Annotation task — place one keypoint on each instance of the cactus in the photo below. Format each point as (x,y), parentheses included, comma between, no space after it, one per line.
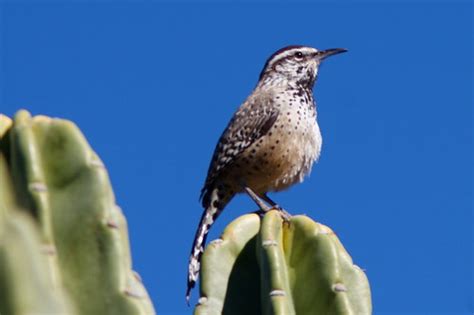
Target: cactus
(25,286)
(268,266)
(63,240)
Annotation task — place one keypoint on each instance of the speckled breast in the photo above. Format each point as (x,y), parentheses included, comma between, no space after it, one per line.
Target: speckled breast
(285,154)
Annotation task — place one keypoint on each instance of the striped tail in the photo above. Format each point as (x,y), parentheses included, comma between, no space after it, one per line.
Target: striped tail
(214,204)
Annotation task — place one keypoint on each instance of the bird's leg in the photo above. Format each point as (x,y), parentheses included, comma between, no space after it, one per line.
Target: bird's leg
(271,202)
(285,214)
(263,207)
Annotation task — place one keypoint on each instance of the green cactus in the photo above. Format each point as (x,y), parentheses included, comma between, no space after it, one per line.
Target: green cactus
(25,285)
(268,266)
(59,221)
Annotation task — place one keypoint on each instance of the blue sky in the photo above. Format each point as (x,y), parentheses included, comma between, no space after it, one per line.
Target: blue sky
(152,86)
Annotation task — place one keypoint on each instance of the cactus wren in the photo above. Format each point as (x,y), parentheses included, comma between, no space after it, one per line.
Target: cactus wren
(270,143)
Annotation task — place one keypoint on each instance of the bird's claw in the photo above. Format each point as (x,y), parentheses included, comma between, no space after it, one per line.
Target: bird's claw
(261,213)
(285,215)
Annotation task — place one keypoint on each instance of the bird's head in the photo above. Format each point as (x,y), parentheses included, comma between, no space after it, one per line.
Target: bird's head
(296,64)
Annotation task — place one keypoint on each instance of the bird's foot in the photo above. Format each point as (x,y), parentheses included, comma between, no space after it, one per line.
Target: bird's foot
(261,213)
(285,215)
(264,208)
(260,203)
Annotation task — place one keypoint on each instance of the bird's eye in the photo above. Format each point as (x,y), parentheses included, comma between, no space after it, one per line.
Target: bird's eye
(299,55)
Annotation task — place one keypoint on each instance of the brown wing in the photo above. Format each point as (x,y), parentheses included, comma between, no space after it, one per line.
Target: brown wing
(252,121)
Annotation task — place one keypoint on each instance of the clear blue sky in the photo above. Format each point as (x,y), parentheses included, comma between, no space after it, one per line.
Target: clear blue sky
(152,86)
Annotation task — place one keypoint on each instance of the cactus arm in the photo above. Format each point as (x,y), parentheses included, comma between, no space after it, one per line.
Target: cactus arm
(25,283)
(229,268)
(59,181)
(299,267)
(324,279)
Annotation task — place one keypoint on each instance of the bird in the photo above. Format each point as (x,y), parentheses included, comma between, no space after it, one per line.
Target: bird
(270,143)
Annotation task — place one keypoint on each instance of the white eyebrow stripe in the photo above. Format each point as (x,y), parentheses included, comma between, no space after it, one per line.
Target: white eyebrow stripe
(289,52)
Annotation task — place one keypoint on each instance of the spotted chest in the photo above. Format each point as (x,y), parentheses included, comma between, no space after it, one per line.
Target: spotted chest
(285,154)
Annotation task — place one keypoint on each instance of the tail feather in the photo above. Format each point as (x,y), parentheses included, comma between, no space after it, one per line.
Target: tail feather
(217,201)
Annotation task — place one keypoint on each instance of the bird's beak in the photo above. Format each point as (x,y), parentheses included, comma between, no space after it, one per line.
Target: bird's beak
(323,54)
